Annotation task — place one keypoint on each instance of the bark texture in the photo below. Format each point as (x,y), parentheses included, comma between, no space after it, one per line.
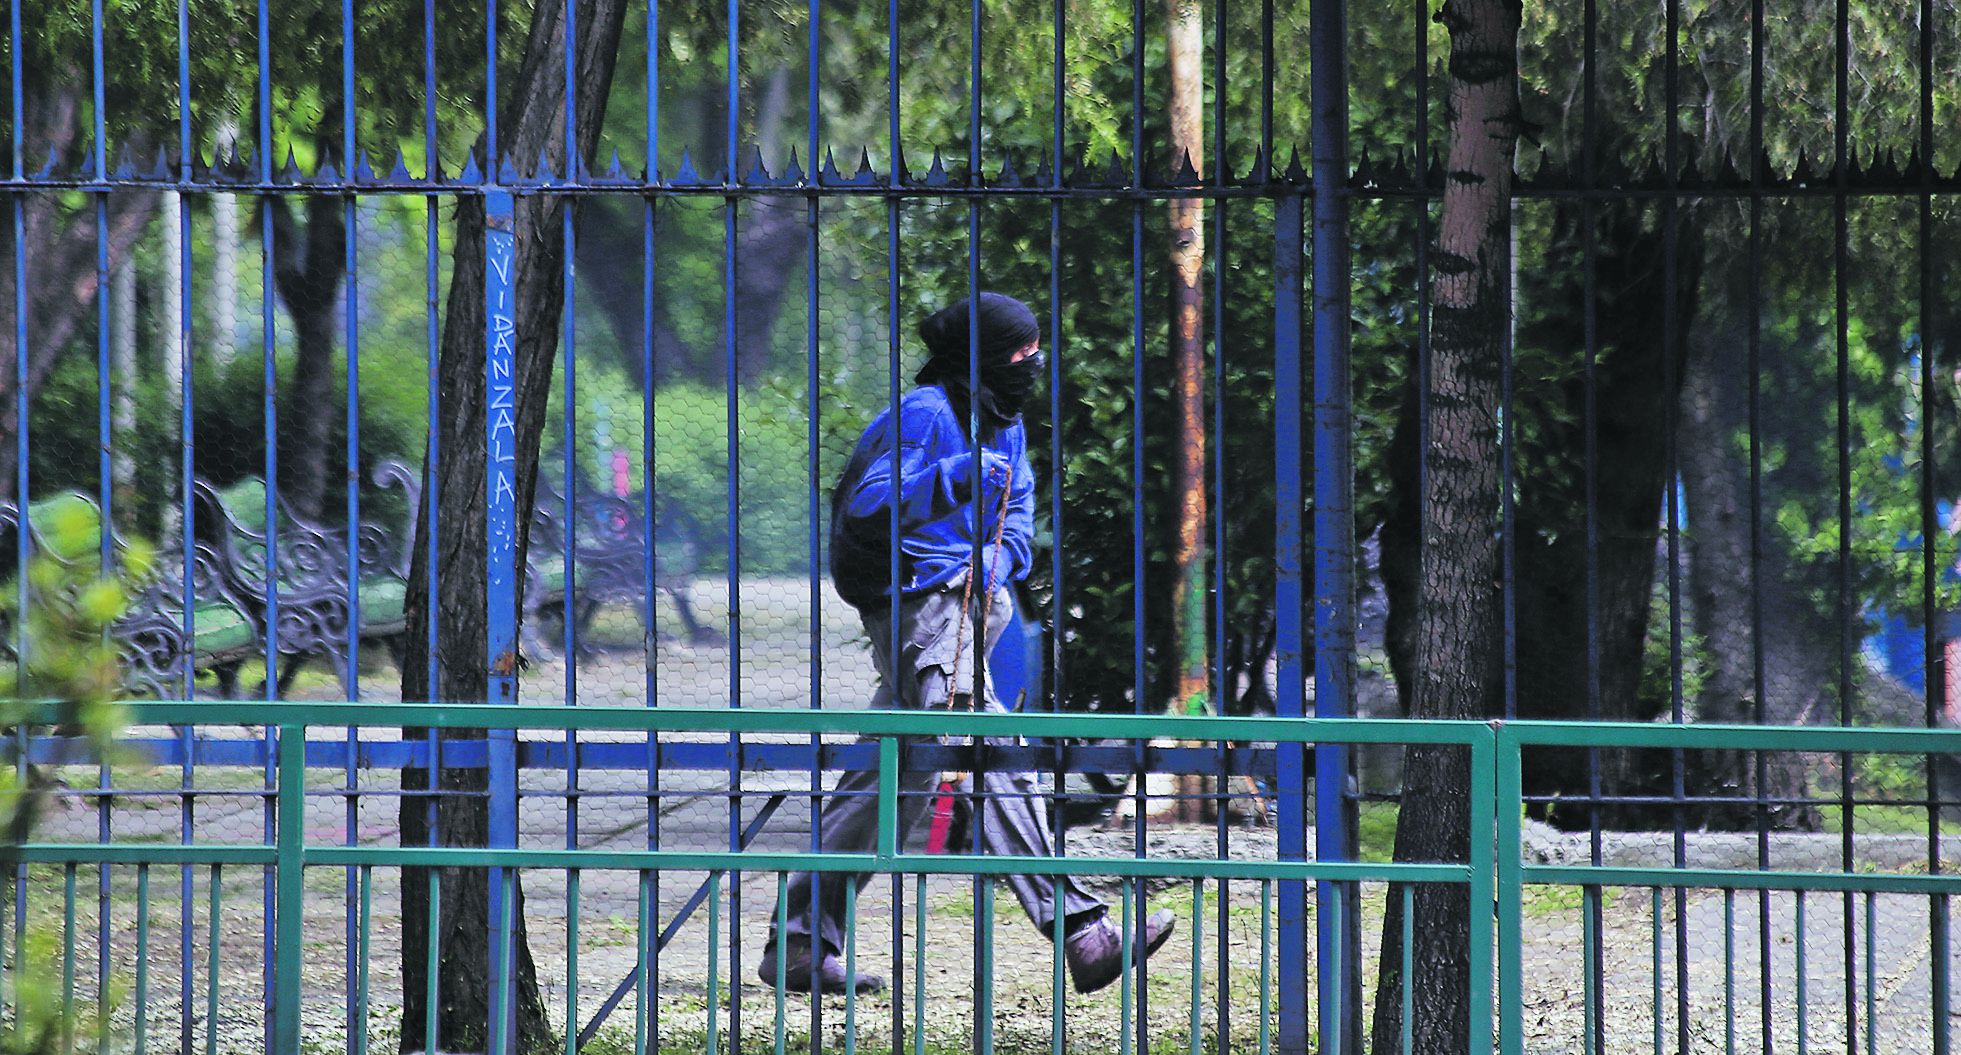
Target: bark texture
(1454,671)
(1739,602)
(534,114)
(59,243)
(307,270)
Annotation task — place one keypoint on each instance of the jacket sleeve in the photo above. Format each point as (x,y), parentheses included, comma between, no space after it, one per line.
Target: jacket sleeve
(1018,540)
(927,485)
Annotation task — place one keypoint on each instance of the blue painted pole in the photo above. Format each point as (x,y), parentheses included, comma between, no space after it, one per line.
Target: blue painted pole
(1289,501)
(1337,932)
(501,528)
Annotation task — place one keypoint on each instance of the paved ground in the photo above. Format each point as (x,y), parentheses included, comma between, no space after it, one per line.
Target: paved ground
(772,668)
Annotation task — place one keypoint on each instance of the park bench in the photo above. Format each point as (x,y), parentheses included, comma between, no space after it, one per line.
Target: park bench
(610,554)
(310,582)
(153,637)
(235,586)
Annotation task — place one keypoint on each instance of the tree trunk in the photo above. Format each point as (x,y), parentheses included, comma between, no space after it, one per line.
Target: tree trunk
(1456,665)
(59,246)
(535,114)
(1185,47)
(308,278)
(1630,481)
(1730,594)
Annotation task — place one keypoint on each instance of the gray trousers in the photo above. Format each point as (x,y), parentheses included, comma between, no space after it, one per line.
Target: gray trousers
(1009,811)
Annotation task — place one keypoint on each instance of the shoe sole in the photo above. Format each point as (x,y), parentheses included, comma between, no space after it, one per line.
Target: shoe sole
(1095,984)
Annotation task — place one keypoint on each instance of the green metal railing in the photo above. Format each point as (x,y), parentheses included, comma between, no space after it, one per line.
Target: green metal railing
(1494,874)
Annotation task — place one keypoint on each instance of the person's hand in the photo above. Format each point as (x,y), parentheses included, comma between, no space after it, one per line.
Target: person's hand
(996,472)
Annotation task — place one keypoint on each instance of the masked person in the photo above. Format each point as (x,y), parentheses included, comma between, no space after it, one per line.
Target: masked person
(939,648)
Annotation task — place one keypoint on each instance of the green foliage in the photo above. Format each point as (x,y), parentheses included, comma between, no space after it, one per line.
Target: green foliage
(69,677)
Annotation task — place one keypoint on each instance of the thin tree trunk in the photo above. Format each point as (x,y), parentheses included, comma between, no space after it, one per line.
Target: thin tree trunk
(308,278)
(1185,47)
(535,113)
(1456,664)
(59,245)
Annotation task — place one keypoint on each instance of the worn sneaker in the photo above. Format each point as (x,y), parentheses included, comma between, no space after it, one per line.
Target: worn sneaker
(829,976)
(1095,950)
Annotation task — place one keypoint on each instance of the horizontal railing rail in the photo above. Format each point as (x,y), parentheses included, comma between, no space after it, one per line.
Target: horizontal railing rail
(1496,871)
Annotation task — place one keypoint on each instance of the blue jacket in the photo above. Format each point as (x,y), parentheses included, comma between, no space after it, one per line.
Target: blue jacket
(936,509)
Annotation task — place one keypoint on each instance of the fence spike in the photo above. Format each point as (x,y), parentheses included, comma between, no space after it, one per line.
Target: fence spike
(507,172)
(125,164)
(1295,172)
(936,175)
(471,174)
(364,169)
(1186,174)
(614,173)
(161,170)
(828,172)
(1008,177)
(793,175)
(866,176)
(87,169)
(290,172)
(1728,175)
(327,173)
(1044,170)
(1399,171)
(1914,171)
(758,171)
(687,175)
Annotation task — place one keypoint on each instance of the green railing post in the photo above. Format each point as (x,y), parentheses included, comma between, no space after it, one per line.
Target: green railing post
(1508,800)
(1483,789)
(288,937)
(888,797)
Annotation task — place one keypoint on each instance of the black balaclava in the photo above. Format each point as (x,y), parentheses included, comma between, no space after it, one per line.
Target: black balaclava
(1006,326)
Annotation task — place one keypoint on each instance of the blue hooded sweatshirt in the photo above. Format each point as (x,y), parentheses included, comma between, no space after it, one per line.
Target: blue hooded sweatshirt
(936,509)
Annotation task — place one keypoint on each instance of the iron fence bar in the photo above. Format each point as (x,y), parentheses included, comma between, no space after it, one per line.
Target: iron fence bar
(646,1019)
(813,468)
(731,175)
(1759,678)
(356,963)
(429,516)
(1940,966)
(501,541)
(1135,989)
(17,207)
(1338,936)
(105,459)
(1841,321)
(1289,502)
(1672,491)
(1221,688)
(187,527)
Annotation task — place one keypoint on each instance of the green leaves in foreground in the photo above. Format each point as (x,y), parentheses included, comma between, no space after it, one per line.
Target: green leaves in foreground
(68,666)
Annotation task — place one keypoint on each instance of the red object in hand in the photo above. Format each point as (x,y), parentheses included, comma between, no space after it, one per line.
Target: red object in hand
(942,819)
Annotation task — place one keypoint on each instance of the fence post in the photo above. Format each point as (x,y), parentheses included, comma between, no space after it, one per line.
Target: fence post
(1483,853)
(1289,502)
(1507,800)
(1337,922)
(500,540)
(289,936)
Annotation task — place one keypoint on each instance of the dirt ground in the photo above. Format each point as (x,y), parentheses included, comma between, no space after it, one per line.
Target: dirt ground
(1195,980)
